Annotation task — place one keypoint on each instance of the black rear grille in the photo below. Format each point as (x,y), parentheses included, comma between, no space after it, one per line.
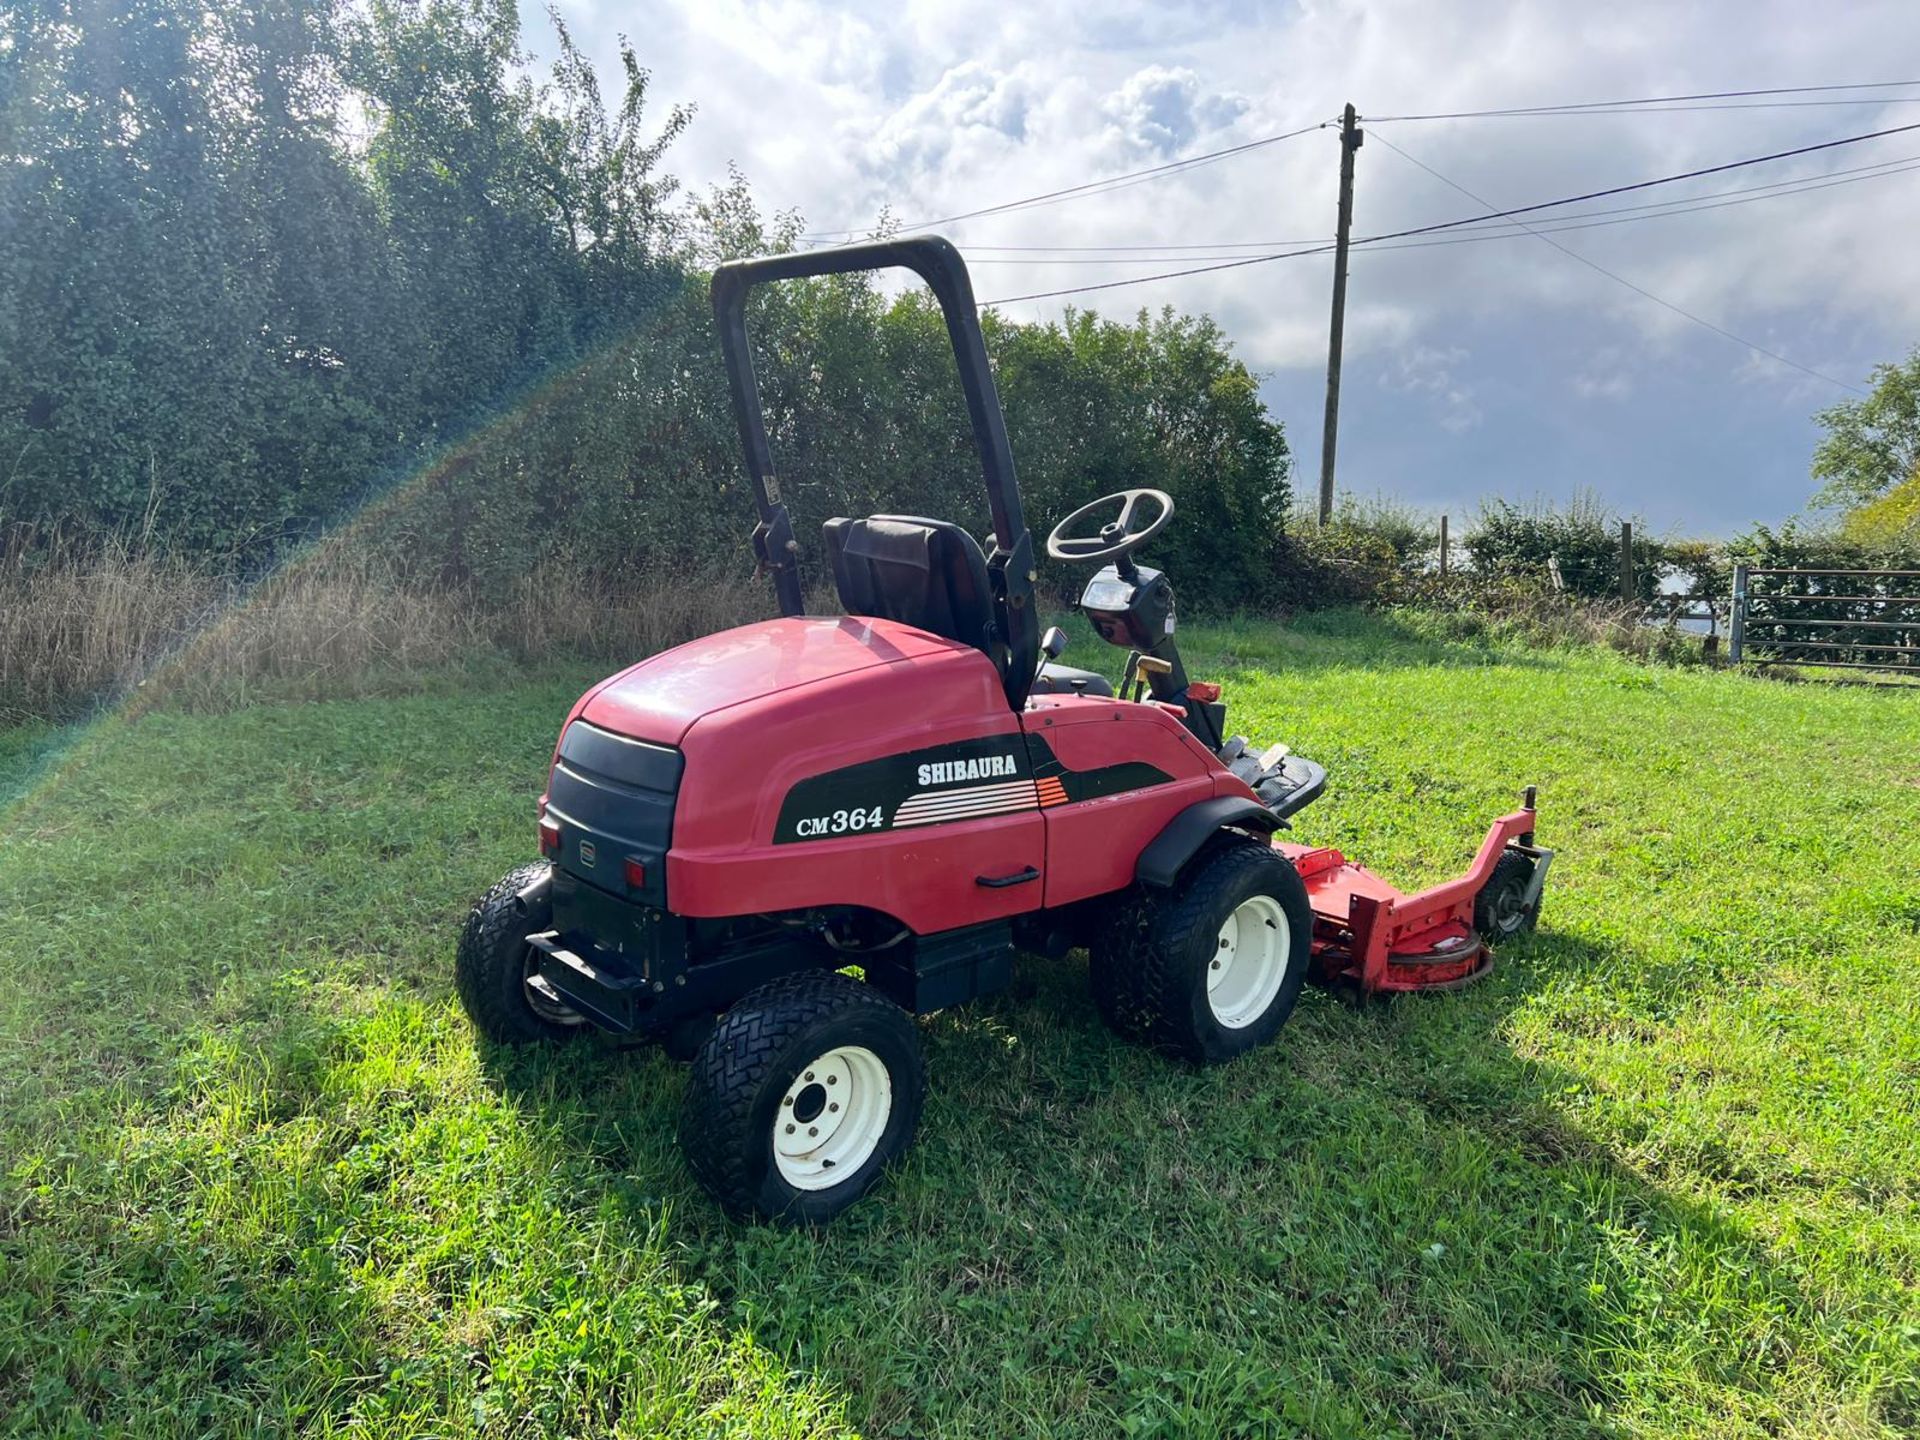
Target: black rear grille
(613,800)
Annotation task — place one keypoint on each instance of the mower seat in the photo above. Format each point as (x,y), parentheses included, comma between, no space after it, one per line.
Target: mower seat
(924,573)
(1056,679)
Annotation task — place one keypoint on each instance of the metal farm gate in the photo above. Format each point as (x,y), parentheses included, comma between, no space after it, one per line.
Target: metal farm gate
(1837,619)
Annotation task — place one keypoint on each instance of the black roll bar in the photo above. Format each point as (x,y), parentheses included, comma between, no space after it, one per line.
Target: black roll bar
(1010,566)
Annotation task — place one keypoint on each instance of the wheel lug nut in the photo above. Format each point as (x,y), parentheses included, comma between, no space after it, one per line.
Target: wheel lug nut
(834,1106)
(787,1101)
(813,1130)
(789,1129)
(833,1079)
(809,1074)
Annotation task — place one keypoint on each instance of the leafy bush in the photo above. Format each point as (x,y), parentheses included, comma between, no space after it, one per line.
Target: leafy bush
(215,302)
(1799,546)
(1580,539)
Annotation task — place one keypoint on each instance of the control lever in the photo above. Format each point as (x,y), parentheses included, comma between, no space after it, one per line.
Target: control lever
(1143,666)
(1051,644)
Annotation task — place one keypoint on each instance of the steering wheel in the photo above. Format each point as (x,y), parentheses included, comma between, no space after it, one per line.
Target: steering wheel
(1118,535)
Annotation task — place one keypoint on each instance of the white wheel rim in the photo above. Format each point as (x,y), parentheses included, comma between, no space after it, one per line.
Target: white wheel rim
(1249,962)
(832,1117)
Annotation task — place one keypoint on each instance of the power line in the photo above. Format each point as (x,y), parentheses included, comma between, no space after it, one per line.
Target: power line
(1111,182)
(1222,249)
(1489,230)
(1557,227)
(1647,109)
(1466,220)
(1650,184)
(1622,280)
(1510,231)
(1163,275)
(973,249)
(1588,106)
(1692,201)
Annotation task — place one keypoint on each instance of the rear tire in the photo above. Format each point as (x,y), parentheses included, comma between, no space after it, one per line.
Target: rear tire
(804,1092)
(1214,969)
(1500,911)
(494,962)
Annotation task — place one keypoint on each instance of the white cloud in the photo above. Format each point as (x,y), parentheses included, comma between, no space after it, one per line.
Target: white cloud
(971,110)
(1605,376)
(1166,112)
(1433,373)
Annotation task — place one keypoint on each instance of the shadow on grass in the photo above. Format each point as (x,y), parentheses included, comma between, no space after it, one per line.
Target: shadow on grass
(1383,1225)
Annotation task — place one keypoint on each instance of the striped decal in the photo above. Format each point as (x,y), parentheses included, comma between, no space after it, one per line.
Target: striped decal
(962,780)
(934,807)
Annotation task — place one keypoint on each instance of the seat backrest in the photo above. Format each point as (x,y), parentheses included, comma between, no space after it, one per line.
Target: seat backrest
(924,573)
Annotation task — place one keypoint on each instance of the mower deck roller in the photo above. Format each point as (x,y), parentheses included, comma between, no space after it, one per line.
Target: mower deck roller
(915,791)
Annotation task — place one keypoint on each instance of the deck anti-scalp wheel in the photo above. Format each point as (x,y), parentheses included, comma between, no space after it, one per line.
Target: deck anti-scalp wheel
(1500,910)
(494,966)
(804,1092)
(1213,969)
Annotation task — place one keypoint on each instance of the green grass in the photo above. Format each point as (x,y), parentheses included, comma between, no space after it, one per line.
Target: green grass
(1657,1177)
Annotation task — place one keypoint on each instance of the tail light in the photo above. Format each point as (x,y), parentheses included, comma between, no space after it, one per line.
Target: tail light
(636,874)
(549,837)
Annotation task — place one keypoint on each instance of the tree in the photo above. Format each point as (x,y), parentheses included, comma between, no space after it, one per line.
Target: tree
(1891,519)
(1872,444)
(222,310)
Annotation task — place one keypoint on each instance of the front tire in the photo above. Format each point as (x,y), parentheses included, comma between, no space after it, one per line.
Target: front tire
(1215,969)
(494,963)
(804,1092)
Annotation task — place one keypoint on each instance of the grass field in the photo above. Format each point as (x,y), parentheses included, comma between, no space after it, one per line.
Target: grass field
(1659,1176)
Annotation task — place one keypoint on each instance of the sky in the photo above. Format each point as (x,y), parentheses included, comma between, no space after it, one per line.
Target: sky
(1505,367)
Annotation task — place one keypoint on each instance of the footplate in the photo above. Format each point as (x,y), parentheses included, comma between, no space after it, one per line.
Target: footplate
(603,992)
(1283,781)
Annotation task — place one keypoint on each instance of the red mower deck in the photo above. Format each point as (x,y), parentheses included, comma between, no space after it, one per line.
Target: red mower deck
(1371,936)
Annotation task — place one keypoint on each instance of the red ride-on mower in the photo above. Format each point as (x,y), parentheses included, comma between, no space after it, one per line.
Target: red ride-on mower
(915,790)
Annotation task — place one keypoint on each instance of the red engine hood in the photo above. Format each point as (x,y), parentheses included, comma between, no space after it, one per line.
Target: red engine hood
(661,697)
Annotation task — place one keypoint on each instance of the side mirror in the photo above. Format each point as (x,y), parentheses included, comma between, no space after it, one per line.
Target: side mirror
(1053,642)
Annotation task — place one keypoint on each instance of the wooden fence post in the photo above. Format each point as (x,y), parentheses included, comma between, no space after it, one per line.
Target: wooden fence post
(1627,591)
(1443,547)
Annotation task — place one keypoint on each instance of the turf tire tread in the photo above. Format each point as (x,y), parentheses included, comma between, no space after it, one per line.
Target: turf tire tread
(733,1067)
(1163,985)
(487,965)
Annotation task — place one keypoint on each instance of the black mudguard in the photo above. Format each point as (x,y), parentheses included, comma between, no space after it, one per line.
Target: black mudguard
(1168,852)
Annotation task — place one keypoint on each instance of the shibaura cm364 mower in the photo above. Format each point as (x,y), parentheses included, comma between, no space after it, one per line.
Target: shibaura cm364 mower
(771,848)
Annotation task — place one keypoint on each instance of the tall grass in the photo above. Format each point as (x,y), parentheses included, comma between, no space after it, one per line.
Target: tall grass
(81,627)
(75,625)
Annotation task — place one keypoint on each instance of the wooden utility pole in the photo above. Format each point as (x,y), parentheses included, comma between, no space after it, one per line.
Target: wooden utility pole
(1443,547)
(1350,138)
(1628,589)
